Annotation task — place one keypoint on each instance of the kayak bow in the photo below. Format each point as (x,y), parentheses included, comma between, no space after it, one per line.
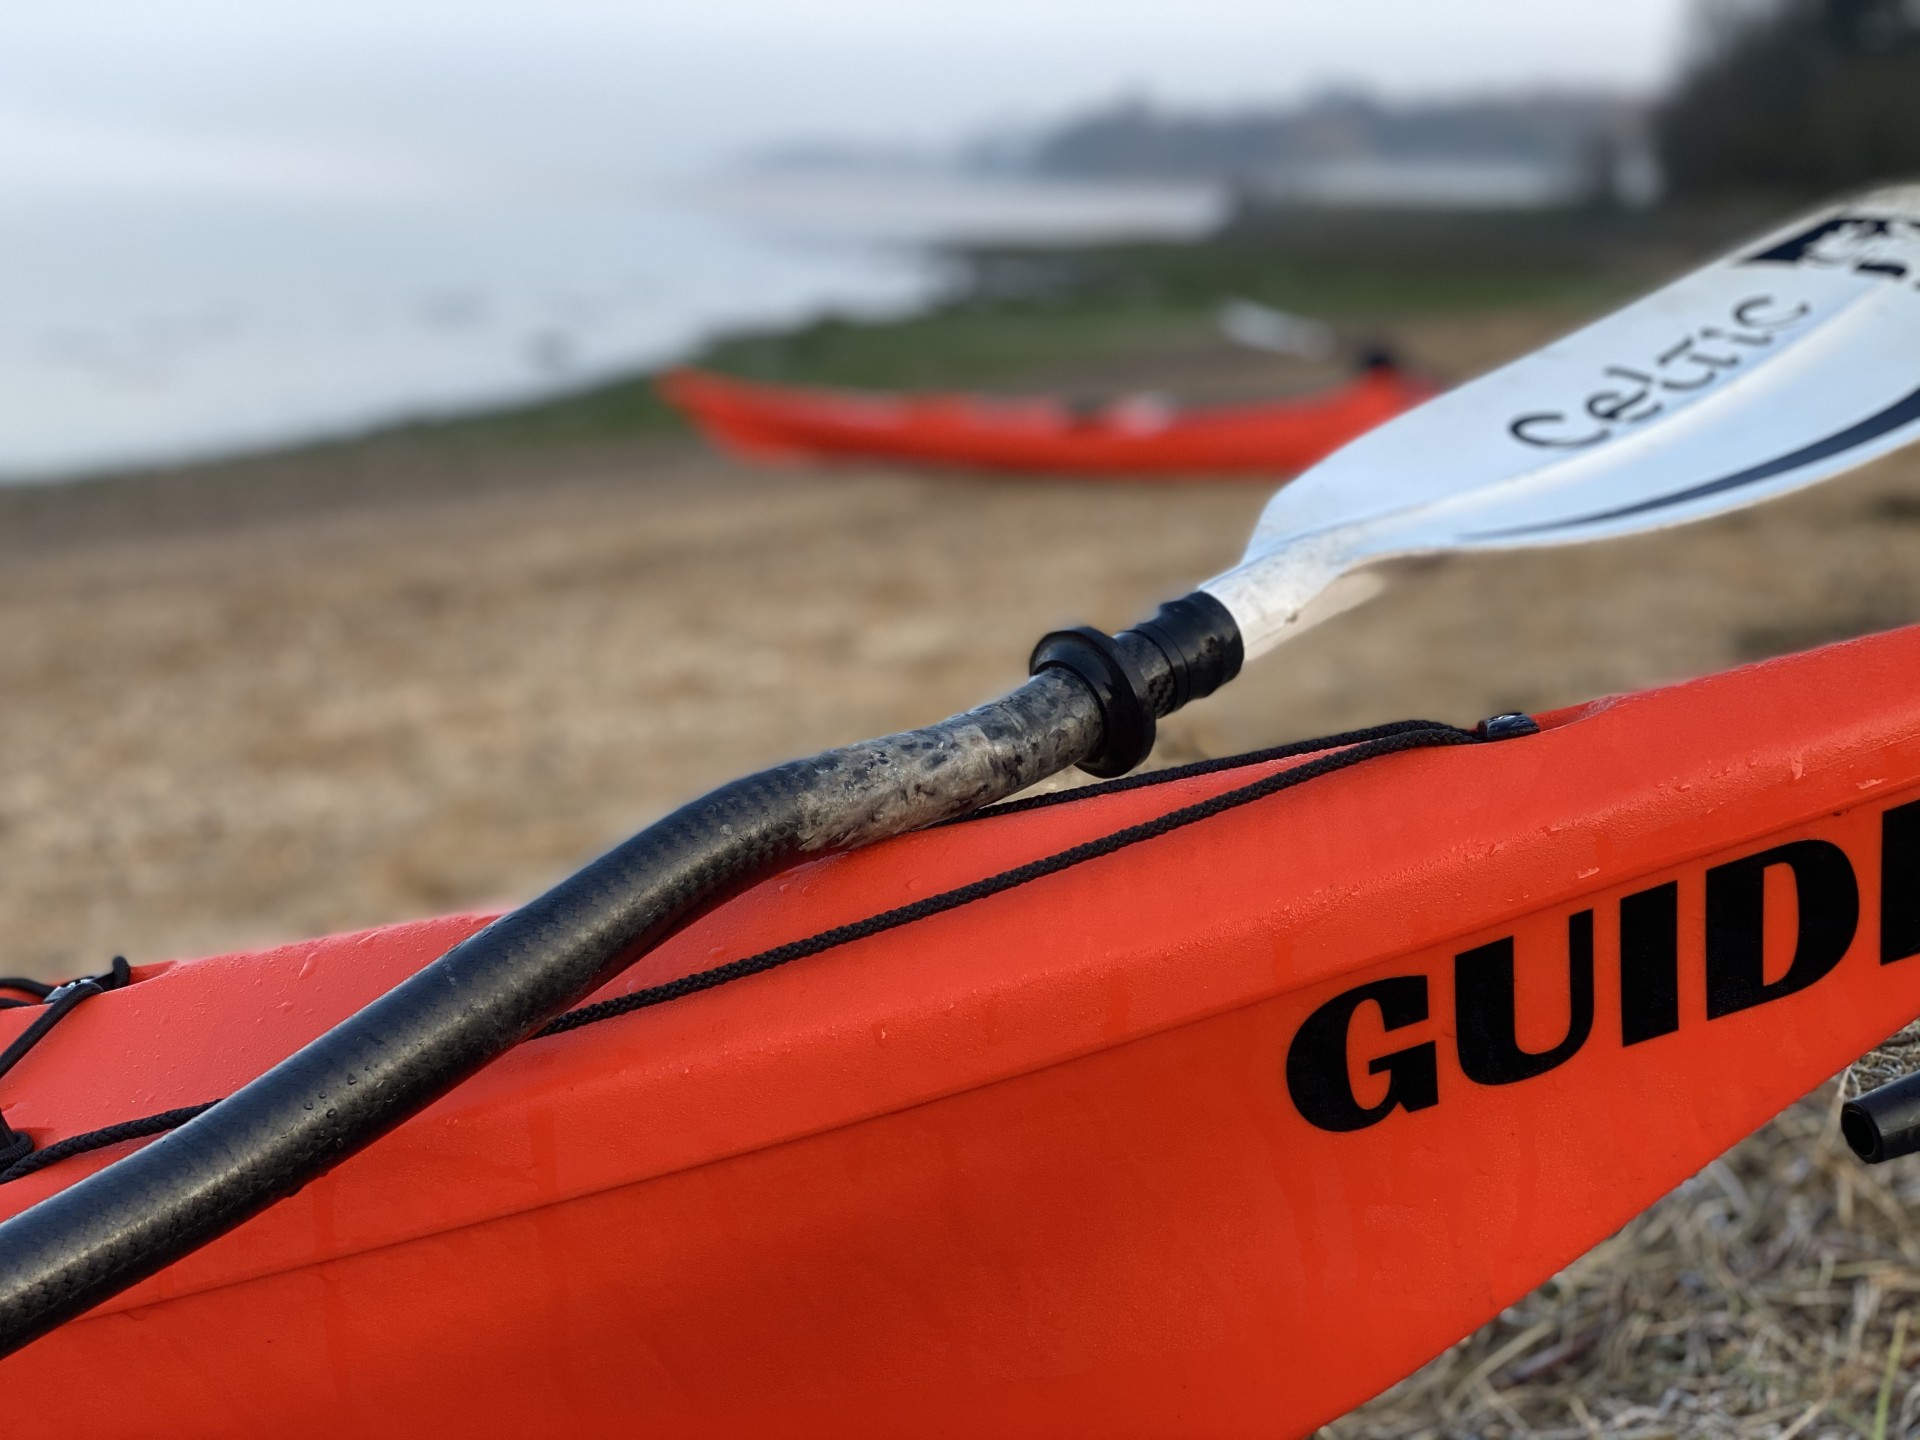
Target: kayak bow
(1216,1133)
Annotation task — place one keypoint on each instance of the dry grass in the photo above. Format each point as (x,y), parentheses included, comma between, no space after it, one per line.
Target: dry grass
(1776,1294)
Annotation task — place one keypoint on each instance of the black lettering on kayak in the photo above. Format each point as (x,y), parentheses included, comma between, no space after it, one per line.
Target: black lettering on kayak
(1317,1076)
(1829,905)
(1900,883)
(1484,1009)
(1826,892)
(1650,963)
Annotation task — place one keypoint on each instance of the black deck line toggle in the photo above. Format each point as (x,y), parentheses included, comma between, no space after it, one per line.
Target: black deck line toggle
(1508,725)
(56,1004)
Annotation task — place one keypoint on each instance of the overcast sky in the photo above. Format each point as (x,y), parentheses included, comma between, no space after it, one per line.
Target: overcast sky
(620,89)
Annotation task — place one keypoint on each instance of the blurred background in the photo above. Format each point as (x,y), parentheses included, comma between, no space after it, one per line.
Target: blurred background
(351,566)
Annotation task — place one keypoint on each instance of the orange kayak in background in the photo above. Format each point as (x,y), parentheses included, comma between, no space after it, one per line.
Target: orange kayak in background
(1218,1131)
(1142,436)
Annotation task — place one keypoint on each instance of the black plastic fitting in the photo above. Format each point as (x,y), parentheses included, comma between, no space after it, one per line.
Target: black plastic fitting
(1508,725)
(1119,687)
(1884,1124)
(1190,648)
(1201,641)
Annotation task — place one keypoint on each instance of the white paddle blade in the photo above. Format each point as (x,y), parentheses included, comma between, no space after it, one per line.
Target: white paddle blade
(1791,360)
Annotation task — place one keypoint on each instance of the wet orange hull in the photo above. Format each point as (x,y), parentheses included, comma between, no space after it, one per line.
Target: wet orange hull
(1282,437)
(1220,1134)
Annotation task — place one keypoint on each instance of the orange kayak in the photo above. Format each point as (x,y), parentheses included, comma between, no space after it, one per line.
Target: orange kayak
(1141,436)
(1212,1128)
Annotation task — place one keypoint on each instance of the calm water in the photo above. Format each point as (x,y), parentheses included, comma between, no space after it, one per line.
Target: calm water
(142,326)
(146,328)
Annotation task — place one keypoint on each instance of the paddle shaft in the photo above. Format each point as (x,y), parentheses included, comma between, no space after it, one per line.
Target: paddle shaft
(384,1064)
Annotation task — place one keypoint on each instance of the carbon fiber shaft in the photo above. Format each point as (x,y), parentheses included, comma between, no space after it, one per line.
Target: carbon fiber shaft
(384,1064)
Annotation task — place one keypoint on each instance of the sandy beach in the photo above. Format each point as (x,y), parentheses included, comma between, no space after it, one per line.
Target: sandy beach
(263,699)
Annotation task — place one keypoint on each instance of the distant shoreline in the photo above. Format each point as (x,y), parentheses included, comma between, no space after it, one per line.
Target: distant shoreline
(1019,316)
(250,330)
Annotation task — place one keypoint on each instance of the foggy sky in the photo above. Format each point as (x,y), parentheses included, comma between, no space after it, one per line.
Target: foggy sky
(603,91)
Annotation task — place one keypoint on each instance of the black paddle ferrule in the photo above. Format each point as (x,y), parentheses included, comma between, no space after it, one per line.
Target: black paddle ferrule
(1201,641)
(1186,652)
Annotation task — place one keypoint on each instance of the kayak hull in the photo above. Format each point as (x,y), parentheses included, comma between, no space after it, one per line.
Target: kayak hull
(1221,1133)
(766,422)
